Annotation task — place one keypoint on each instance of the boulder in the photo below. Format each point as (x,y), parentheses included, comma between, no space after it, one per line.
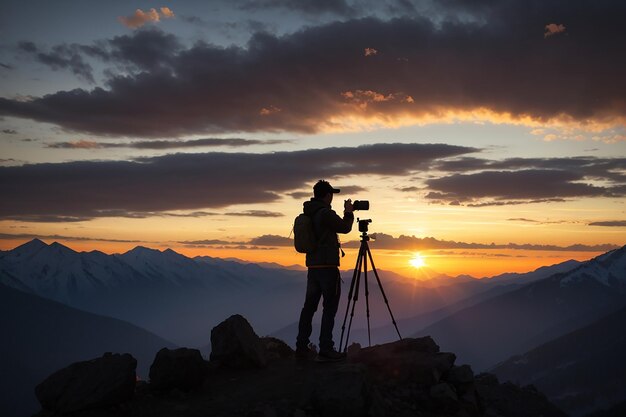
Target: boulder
(97,383)
(235,345)
(182,368)
(417,360)
(276,348)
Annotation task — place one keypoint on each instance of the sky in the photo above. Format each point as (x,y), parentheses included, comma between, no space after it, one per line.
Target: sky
(488,136)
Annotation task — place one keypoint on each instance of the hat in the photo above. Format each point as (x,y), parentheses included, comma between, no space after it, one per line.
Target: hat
(321,188)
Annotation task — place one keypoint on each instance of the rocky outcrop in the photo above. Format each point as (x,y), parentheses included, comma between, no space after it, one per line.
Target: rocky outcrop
(509,399)
(410,377)
(235,345)
(182,369)
(98,383)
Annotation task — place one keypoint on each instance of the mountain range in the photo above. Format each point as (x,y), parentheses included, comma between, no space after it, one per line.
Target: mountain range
(179,297)
(516,321)
(55,300)
(564,367)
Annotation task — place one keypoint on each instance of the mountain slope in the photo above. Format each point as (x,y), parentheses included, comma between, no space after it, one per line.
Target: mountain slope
(515,322)
(40,336)
(563,368)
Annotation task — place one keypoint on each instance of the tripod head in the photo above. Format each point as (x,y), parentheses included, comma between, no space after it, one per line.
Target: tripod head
(363,228)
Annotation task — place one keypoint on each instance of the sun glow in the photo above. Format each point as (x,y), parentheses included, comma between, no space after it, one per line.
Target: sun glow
(417,261)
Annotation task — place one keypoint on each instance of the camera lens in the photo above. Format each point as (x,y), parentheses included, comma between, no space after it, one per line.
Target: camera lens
(361,205)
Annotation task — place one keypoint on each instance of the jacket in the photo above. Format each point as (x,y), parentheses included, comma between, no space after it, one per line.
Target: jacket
(326,224)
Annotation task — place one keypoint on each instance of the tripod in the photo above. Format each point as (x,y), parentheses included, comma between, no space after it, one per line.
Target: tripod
(353,294)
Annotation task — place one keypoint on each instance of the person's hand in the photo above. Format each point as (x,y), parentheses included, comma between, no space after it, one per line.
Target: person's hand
(347,206)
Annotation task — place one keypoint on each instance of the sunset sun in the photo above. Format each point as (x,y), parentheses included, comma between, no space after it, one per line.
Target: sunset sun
(417,261)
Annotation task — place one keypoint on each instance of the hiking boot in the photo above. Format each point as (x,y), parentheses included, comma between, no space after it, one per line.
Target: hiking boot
(304,354)
(330,356)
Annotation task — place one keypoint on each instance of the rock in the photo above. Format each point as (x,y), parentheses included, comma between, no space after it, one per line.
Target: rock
(183,369)
(235,345)
(460,375)
(512,400)
(417,360)
(343,391)
(97,383)
(276,348)
(444,394)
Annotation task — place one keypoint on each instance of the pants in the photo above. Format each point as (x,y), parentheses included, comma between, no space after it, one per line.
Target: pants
(324,282)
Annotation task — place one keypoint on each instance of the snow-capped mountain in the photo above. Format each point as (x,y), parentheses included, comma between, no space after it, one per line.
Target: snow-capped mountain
(608,269)
(57,272)
(517,321)
(163,291)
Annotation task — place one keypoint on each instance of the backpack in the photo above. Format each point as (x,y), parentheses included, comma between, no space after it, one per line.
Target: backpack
(304,238)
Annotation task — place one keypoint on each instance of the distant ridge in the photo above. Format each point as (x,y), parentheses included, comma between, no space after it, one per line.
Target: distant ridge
(41,336)
(517,321)
(564,368)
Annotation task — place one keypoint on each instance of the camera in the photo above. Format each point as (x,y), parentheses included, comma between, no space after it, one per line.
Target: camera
(361,205)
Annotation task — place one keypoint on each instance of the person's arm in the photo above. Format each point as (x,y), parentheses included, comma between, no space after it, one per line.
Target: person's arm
(338,224)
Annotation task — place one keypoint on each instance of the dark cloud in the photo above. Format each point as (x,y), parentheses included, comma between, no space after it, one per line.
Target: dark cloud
(208,242)
(314,7)
(527,180)
(611,223)
(9,131)
(8,236)
(6,66)
(181,181)
(512,185)
(409,189)
(255,213)
(167,144)
(51,218)
(62,57)
(525,220)
(271,240)
(412,243)
(299,195)
(498,60)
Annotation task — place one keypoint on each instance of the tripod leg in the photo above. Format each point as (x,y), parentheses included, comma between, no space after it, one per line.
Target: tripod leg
(356,271)
(355,298)
(367,296)
(382,291)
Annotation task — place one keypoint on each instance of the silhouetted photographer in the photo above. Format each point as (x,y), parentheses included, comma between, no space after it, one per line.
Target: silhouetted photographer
(316,235)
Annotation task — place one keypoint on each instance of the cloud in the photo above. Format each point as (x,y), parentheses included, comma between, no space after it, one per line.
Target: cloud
(140,18)
(255,213)
(553,29)
(9,131)
(167,12)
(409,189)
(62,57)
(316,7)
(412,243)
(167,144)
(510,187)
(146,185)
(610,223)
(8,236)
(6,66)
(480,182)
(370,51)
(451,70)
(271,240)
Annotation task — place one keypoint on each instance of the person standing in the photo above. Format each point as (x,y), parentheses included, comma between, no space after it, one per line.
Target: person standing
(323,278)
